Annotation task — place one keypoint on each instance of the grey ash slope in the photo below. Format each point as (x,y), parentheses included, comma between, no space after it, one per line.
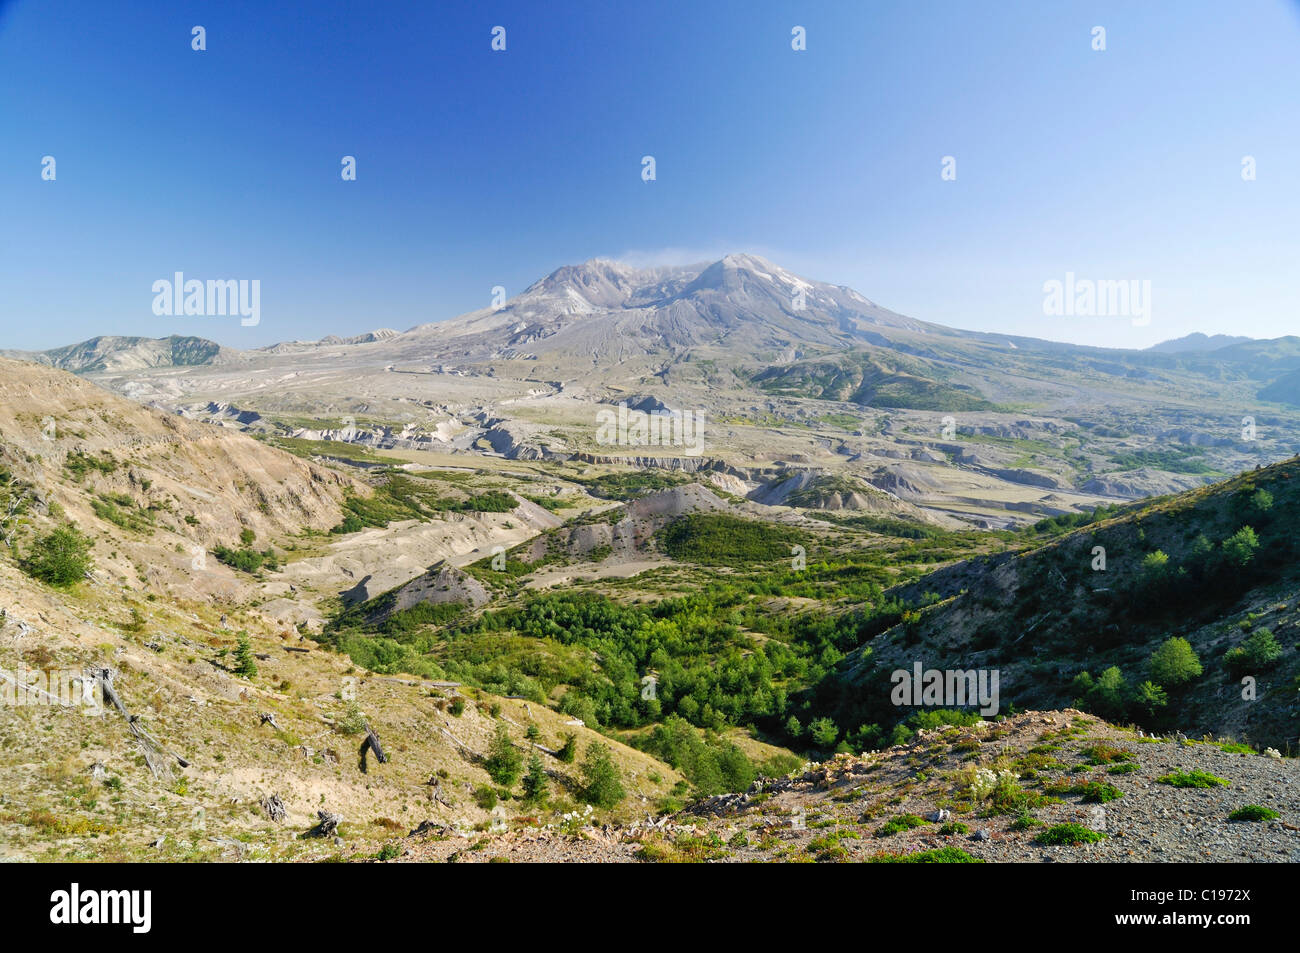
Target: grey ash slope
(606,312)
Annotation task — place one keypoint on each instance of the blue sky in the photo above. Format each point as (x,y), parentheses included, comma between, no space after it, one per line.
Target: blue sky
(479,168)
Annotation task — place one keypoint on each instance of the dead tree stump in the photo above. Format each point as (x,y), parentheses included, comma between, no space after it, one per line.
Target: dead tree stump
(274,807)
(329,824)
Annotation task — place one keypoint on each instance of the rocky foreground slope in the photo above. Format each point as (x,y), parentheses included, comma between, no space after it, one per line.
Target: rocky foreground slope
(1035,787)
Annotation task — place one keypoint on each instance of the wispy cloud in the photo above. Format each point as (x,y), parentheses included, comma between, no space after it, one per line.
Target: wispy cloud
(691,255)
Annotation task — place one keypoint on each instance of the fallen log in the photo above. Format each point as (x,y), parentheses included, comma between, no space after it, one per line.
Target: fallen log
(152,749)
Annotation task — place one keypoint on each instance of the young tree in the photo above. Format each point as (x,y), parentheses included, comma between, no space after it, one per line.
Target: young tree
(61,558)
(535,783)
(1109,697)
(603,787)
(504,762)
(568,752)
(1239,548)
(1155,566)
(1158,576)
(1174,663)
(823,732)
(244,662)
(1150,697)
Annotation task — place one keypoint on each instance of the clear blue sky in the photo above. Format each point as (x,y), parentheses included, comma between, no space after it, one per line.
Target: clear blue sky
(478,168)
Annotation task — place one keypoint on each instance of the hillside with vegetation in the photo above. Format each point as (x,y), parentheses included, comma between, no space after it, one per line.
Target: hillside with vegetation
(453,659)
(1176,613)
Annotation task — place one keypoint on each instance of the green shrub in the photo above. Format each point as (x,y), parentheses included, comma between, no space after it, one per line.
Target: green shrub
(120,510)
(79,464)
(1240,548)
(896,825)
(1107,695)
(245,560)
(1098,792)
(1024,821)
(1102,753)
(1253,812)
(823,732)
(1068,835)
(1155,567)
(940,855)
(1258,652)
(1150,697)
(1192,779)
(61,558)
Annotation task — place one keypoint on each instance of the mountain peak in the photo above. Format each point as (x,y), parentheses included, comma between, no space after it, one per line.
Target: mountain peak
(748,262)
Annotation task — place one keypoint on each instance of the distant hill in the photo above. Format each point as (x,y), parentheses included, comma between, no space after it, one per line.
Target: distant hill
(112,353)
(1197,341)
(1284,390)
